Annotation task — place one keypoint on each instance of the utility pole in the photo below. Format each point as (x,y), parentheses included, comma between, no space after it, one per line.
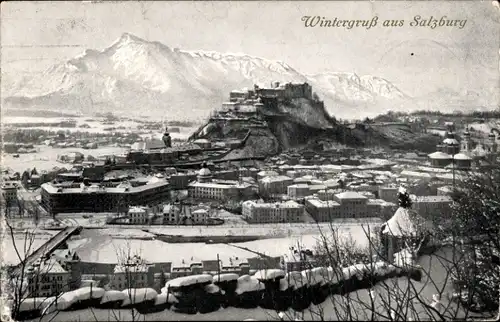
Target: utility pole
(218,268)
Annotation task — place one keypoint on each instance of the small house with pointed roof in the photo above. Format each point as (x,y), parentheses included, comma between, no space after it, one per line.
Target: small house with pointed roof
(405,229)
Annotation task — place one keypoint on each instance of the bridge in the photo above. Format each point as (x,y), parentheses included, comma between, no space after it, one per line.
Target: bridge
(50,246)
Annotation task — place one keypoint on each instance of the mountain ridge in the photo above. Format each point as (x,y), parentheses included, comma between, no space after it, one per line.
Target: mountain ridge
(132,74)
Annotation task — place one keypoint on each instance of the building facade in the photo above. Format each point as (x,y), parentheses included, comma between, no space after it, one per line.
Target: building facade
(322,211)
(280,212)
(432,206)
(138,215)
(9,192)
(128,276)
(47,278)
(352,204)
(275,185)
(57,198)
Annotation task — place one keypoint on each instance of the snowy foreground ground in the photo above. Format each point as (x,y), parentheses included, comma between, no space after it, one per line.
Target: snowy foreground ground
(328,308)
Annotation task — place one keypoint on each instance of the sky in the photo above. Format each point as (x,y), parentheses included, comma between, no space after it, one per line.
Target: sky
(418,60)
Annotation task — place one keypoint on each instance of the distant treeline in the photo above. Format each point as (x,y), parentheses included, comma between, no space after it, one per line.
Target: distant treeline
(473,114)
(111,117)
(36,113)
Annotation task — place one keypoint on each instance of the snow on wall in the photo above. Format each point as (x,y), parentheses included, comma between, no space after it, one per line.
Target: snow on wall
(212,288)
(269,274)
(294,279)
(247,283)
(189,280)
(138,295)
(35,303)
(317,275)
(112,295)
(225,277)
(163,298)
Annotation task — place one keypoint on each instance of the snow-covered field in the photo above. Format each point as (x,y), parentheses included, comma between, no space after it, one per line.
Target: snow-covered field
(46,157)
(25,245)
(106,245)
(355,227)
(94,126)
(106,249)
(485,127)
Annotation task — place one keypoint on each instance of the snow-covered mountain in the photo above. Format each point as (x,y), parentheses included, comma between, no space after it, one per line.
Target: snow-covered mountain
(351,87)
(133,76)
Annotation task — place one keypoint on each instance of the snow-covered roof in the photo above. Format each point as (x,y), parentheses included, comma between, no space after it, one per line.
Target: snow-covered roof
(247,283)
(204,172)
(112,295)
(269,274)
(138,295)
(189,280)
(405,222)
(439,155)
(450,141)
(201,141)
(155,179)
(350,195)
(267,173)
(461,156)
(225,277)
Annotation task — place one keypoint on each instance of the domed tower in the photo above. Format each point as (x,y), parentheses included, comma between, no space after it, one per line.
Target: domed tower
(167,139)
(204,175)
(466,144)
(491,144)
(451,144)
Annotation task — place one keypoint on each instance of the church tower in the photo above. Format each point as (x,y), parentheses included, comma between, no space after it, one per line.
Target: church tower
(167,140)
(491,144)
(466,144)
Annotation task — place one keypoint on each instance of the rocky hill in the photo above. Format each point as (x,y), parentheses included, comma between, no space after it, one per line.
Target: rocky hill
(303,123)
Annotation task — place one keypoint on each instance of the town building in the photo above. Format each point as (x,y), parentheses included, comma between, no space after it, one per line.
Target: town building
(47,278)
(203,143)
(297,191)
(9,192)
(432,206)
(388,193)
(130,275)
(274,185)
(279,212)
(462,161)
(181,180)
(199,216)
(380,208)
(462,154)
(323,210)
(206,188)
(60,198)
(352,204)
(171,214)
(138,215)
